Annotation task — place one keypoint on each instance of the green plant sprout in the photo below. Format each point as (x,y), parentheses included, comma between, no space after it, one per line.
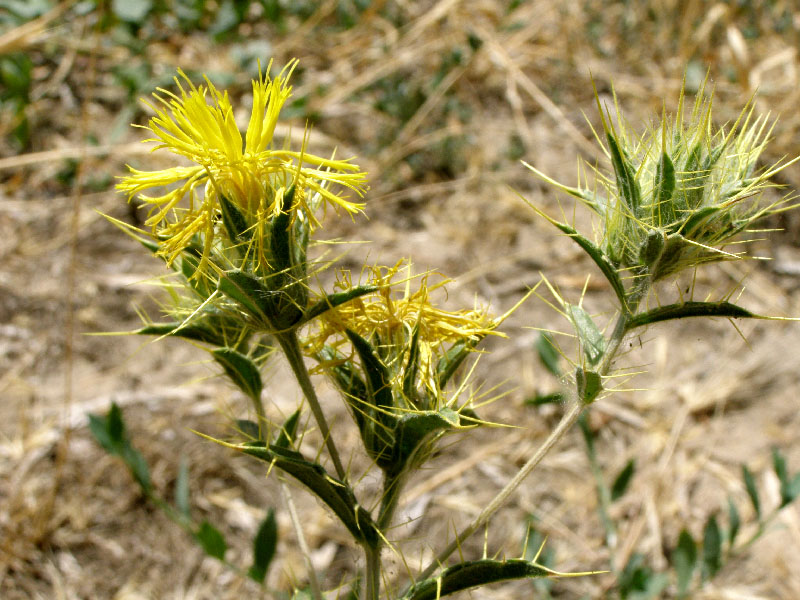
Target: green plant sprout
(235,227)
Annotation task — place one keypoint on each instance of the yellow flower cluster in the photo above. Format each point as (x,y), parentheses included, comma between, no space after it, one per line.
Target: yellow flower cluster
(198,124)
(390,321)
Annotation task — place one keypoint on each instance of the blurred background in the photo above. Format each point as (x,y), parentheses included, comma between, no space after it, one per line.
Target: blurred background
(439,101)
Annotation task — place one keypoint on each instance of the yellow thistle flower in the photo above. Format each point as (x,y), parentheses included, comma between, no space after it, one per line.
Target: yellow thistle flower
(198,124)
(390,321)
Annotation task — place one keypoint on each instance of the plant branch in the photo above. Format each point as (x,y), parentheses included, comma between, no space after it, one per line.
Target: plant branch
(574,410)
(291,348)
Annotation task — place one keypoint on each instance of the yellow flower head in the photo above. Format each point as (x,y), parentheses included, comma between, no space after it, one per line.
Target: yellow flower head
(198,123)
(388,322)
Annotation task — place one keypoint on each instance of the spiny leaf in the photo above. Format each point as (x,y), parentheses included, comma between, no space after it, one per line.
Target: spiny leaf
(597,255)
(289,431)
(663,190)
(280,236)
(338,496)
(471,574)
(379,422)
(684,560)
(333,300)
(234,221)
(448,364)
(349,382)
(264,545)
(592,341)
(197,333)
(589,384)
(622,480)
(211,540)
(625,175)
(540,399)
(249,429)
(685,310)
(712,547)
(248,292)
(752,490)
(241,370)
(412,366)
(414,428)
(377,380)
(548,355)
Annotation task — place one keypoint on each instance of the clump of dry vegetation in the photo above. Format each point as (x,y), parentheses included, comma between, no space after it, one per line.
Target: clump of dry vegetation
(439,100)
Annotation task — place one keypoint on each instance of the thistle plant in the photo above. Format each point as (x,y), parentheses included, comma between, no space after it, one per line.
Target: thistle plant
(236,226)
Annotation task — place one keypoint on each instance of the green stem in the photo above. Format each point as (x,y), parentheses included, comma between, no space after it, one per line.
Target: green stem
(392,486)
(291,348)
(373,585)
(574,409)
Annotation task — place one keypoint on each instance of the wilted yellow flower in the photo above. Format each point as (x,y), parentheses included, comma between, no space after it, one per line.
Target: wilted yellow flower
(198,123)
(388,322)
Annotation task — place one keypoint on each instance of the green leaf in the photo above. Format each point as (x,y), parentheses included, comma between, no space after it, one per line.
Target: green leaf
(474,573)
(249,293)
(548,355)
(663,189)
(414,429)
(622,480)
(280,235)
(752,491)
(379,422)
(211,540)
(448,364)
(781,470)
(241,370)
(98,426)
(337,495)
(589,384)
(288,432)
(333,300)
(638,581)
(234,221)
(686,310)
(379,390)
(734,523)
(540,399)
(248,429)
(684,560)
(182,489)
(197,333)
(592,341)
(115,425)
(109,430)
(625,175)
(138,466)
(599,258)
(264,545)
(712,548)
(349,382)
(412,366)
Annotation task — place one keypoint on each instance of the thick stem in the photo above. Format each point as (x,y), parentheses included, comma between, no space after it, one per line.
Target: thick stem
(373,583)
(392,486)
(291,348)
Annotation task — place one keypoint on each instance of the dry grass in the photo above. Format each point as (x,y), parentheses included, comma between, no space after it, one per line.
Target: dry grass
(438,102)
